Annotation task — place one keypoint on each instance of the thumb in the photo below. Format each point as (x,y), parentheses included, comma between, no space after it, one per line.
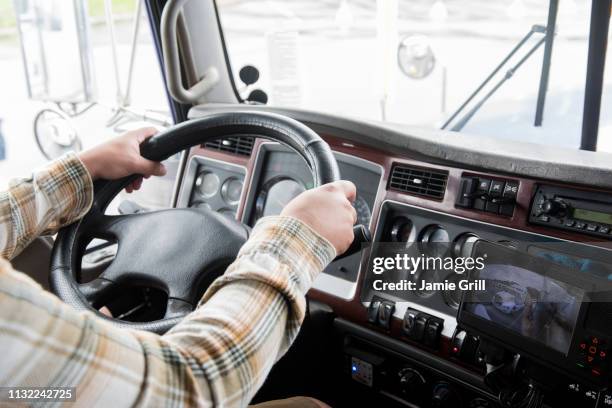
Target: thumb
(150,168)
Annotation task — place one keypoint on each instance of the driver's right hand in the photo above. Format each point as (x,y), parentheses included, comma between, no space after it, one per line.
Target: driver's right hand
(328,211)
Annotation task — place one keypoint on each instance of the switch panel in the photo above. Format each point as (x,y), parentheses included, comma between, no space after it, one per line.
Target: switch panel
(484,194)
(385,313)
(380,312)
(422,327)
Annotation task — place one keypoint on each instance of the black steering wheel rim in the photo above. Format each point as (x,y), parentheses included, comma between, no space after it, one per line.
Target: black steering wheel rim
(72,240)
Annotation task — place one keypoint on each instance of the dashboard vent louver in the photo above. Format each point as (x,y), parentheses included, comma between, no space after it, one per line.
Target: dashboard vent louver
(240,145)
(415,180)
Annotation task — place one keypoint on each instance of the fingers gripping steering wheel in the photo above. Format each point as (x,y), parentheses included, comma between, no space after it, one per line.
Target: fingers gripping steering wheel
(178,250)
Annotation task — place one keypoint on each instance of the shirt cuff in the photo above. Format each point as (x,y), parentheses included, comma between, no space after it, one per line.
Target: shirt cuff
(283,253)
(68,186)
(294,242)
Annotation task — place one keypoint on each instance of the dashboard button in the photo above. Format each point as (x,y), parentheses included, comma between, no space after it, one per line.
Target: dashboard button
(592,227)
(373,311)
(385,313)
(497,188)
(419,326)
(579,225)
(569,222)
(432,332)
(466,192)
(604,229)
(483,190)
(491,207)
(510,189)
(479,204)
(509,194)
(484,185)
(506,209)
(409,321)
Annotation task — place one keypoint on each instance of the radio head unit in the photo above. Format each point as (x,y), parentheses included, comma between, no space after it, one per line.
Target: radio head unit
(551,314)
(587,212)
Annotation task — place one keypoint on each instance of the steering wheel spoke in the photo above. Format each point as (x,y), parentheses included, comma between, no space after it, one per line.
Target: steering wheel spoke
(177,308)
(109,226)
(96,289)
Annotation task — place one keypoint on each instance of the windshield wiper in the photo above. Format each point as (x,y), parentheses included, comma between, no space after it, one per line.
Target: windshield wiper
(466,118)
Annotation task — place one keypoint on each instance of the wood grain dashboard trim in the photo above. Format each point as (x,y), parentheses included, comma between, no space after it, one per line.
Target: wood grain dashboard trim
(353,310)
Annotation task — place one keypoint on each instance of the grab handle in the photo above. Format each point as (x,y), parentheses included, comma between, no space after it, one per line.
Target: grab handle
(172,62)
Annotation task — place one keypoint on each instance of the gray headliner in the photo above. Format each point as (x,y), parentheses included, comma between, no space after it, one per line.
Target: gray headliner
(456,149)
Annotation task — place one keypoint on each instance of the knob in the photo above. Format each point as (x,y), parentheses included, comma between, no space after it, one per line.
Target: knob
(411,382)
(444,397)
(553,207)
(479,403)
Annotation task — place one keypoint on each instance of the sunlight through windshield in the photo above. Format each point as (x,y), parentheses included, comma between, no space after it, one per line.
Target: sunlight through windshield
(416,62)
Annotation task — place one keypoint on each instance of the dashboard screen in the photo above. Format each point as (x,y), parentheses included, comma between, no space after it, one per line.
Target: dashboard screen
(589,215)
(521,296)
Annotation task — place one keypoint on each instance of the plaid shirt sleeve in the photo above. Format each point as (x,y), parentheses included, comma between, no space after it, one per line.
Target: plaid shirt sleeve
(52,197)
(219,355)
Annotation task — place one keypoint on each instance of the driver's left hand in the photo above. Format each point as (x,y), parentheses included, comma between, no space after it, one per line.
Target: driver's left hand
(120,157)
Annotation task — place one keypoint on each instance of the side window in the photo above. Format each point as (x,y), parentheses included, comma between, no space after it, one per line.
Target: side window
(67,83)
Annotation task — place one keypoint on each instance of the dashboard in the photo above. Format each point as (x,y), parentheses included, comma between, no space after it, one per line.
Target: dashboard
(406,199)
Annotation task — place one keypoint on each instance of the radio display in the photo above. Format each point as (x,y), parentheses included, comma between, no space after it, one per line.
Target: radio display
(594,216)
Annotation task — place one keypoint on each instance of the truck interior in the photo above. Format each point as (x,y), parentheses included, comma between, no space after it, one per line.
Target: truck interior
(481,182)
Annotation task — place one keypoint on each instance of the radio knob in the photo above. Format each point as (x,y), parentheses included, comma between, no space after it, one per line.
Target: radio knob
(444,396)
(411,383)
(553,207)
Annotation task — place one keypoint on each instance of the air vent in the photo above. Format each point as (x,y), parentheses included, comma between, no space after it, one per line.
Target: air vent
(241,145)
(415,180)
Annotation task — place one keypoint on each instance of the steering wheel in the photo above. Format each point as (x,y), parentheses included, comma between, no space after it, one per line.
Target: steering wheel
(180,250)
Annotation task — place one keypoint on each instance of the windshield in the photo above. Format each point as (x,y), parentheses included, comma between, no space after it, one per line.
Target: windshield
(417,61)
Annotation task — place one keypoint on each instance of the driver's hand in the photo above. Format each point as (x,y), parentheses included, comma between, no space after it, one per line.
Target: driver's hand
(121,157)
(328,211)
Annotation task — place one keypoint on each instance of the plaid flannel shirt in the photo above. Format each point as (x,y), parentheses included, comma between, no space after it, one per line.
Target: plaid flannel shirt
(219,355)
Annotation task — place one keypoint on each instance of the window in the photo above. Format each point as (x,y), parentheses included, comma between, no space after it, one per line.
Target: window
(60,38)
(343,57)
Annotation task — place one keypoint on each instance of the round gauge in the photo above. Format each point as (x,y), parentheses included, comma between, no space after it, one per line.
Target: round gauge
(228,212)
(453,297)
(463,245)
(363,211)
(435,240)
(429,276)
(207,184)
(200,204)
(403,230)
(275,194)
(231,190)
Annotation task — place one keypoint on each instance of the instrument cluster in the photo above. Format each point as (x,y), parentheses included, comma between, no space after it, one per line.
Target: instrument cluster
(215,185)
(282,175)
